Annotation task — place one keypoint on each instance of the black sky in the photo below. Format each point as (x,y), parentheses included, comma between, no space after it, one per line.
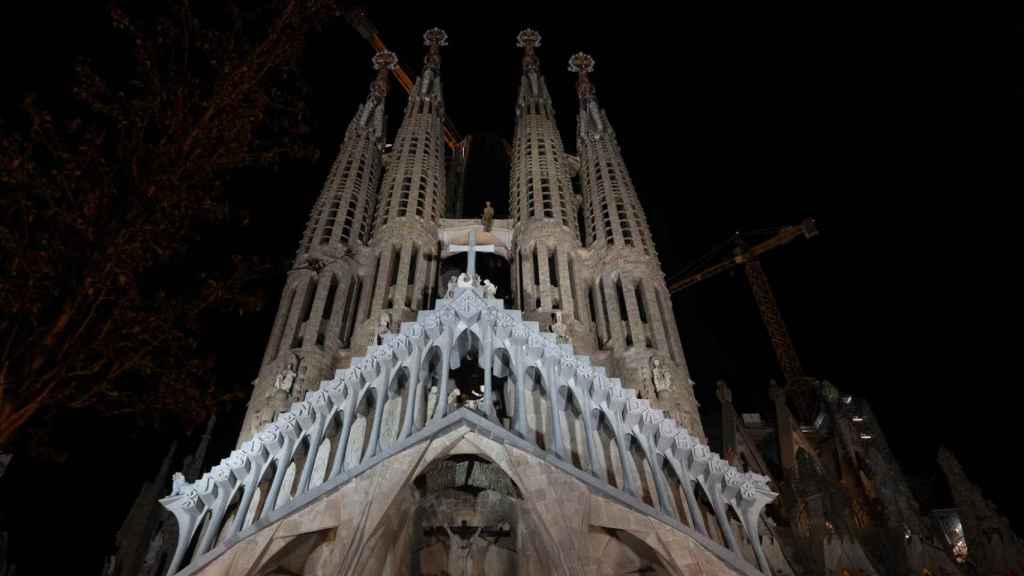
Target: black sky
(873,122)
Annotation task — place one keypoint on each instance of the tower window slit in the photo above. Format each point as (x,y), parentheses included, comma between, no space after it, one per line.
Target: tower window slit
(373,286)
(623,313)
(607,316)
(591,307)
(284,326)
(345,313)
(665,325)
(413,257)
(325,316)
(572,287)
(307,308)
(521,302)
(396,255)
(641,304)
(553,268)
(536,268)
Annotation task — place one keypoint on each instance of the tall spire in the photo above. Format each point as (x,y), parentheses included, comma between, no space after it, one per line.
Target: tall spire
(632,303)
(529,40)
(429,82)
(433,39)
(542,202)
(316,315)
(583,64)
(411,202)
(383,62)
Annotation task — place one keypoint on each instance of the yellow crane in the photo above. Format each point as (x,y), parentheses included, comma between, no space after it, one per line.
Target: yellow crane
(798,384)
(360,20)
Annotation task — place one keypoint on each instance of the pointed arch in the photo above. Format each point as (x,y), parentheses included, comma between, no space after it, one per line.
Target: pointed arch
(361,429)
(676,493)
(538,408)
(293,473)
(642,471)
(607,452)
(398,401)
(572,418)
(326,452)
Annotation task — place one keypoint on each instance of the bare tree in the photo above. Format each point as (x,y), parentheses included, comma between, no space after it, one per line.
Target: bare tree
(98,197)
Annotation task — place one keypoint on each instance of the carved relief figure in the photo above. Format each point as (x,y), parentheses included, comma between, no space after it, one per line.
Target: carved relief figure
(662,377)
(559,328)
(460,552)
(383,327)
(488,219)
(490,289)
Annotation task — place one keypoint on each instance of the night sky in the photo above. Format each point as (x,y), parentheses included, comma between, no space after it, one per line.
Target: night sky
(873,123)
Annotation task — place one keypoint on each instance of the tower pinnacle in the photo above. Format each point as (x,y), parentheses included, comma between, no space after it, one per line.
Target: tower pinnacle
(434,39)
(529,39)
(383,62)
(583,64)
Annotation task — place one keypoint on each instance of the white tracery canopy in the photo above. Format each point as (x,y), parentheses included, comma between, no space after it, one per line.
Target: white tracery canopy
(363,414)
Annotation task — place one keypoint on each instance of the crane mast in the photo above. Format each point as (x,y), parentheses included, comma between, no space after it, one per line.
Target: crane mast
(799,386)
(359,20)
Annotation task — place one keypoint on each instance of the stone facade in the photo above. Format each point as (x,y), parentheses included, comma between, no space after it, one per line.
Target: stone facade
(371,253)
(578,439)
(569,460)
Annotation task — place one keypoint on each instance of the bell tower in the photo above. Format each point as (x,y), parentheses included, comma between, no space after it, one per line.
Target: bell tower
(633,315)
(316,316)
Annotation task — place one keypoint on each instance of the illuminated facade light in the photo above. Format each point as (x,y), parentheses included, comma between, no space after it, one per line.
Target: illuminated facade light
(858,418)
(865,436)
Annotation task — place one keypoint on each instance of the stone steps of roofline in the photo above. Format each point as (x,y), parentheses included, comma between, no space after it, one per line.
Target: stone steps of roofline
(632,413)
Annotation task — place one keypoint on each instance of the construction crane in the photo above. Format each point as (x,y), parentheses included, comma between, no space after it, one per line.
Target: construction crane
(800,388)
(359,20)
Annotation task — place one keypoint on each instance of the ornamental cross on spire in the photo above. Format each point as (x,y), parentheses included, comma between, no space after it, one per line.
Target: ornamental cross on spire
(434,38)
(383,62)
(529,39)
(582,64)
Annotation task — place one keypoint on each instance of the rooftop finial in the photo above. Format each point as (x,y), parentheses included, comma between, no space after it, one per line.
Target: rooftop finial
(529,39)
(383,62)
(582,64)
(434,38)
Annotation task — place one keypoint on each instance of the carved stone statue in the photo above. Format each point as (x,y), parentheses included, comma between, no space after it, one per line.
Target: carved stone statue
(453,396)
(488,218)
(279,402)
(490,289)
(286,378)
(465,281)
(645,380)
(383,327)
(460,552)
(662,377)
(177,482)
(560,329)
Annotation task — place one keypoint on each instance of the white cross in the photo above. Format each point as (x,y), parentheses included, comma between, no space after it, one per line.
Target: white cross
(471,255)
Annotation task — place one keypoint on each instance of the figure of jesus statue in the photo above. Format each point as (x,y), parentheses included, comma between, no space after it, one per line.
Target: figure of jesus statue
(488,218)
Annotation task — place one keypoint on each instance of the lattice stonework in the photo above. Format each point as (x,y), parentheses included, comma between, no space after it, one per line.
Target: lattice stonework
(399,391)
